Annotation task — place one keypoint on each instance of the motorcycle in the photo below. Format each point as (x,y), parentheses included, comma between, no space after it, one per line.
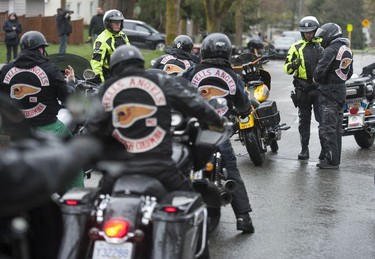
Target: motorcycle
(209,179)
(261,128)
(137,218)
(359,108)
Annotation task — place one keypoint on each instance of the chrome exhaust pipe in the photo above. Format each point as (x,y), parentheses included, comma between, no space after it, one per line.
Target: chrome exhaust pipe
(230,185)
(225,197)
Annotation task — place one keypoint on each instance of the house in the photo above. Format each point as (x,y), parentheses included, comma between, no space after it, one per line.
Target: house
(82,9)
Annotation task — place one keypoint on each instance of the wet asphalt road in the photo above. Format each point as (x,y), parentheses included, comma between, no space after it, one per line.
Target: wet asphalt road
(300,211)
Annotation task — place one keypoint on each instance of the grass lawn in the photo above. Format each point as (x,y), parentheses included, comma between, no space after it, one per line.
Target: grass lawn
(85,51)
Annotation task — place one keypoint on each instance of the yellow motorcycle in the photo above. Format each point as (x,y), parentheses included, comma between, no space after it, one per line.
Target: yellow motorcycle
(261,128)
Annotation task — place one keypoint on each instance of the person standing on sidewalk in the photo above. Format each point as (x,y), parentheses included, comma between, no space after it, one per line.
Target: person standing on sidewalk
(96,25)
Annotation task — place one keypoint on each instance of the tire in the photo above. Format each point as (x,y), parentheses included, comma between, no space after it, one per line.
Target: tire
(253,147)
(364,139)
(274,146)
(160,46)
(213,218)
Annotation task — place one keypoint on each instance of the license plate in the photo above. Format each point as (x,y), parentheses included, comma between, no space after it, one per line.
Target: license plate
(354,102)
(355,121)
(104,250)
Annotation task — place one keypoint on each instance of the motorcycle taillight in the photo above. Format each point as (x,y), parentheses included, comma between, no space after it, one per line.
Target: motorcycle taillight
(116,228)
(71,202)
(353,110)
(171,209)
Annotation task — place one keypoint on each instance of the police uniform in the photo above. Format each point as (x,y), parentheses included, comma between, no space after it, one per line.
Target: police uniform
(305,90)
(104,46)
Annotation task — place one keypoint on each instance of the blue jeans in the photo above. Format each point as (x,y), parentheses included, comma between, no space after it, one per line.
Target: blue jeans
(240,203)
(63,39)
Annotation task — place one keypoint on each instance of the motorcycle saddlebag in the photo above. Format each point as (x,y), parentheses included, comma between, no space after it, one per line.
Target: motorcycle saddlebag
(177,222)
(76,206)
(267,114)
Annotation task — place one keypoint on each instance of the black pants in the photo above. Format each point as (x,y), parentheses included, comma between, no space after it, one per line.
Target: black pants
(307,101)
(331,104)
(240,202)
(9,52)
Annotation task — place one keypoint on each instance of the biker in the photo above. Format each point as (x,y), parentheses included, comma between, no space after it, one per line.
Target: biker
(214,77)
(333,69)
(178,58)
(32,168)
(302,58)
(38,86)
(138,108)
(107,41)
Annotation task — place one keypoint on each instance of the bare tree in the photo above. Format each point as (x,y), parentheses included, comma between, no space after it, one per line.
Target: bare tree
(215,12)
(172,20)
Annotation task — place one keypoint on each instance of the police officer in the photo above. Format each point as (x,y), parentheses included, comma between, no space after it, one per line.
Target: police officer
(333,69)
(302,58)
(214,77)
(178,58)
(138,115)
(111,38)
(38,86)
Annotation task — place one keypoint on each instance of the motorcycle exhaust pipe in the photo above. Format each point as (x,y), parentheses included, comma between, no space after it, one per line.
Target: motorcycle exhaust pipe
(230,185)
(225,197)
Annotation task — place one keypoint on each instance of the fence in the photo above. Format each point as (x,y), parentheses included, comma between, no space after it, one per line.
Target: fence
(47,26)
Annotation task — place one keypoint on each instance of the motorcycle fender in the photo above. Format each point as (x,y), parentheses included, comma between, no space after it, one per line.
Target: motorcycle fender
(246,123)
(261,93)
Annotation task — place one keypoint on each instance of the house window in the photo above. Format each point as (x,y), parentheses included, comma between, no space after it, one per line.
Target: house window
(78,8)
(92,11)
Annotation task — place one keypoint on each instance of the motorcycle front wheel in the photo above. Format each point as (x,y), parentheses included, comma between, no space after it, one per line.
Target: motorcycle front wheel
(364,139)
(254,147)
(274,146)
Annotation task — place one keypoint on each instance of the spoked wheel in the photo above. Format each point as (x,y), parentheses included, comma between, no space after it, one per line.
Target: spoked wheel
(254,147)
(274,146)
(364,139)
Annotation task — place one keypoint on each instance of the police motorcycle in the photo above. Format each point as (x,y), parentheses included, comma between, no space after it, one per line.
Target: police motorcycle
(261,128)
(209,177)
(359,108)
(136,217)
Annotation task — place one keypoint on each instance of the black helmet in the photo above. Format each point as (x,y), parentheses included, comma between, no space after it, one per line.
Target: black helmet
(216,45)
(308,24)
(33,40)
(183,42)
(113,15)
(328,32)
(126,55)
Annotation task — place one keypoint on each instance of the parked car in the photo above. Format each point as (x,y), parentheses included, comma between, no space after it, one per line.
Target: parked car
(282,45)
(292,34)
(143,35)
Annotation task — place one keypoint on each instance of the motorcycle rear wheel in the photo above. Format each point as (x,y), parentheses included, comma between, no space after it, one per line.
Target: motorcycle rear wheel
(364,139)
(254,148)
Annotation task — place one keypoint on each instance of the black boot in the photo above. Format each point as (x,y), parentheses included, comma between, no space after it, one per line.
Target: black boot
(304,154)
(245,223)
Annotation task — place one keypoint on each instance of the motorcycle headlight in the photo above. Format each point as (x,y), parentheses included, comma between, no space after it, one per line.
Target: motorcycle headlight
(177,119)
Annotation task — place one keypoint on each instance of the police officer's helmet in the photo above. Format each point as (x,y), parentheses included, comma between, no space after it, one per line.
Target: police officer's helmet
(183,42)
(308,24)
(328,32)
(113,15)
(216,45)
(126,55)
(33,40)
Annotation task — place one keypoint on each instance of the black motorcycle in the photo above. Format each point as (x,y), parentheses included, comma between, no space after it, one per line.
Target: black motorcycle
(359,109)
(137,218)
